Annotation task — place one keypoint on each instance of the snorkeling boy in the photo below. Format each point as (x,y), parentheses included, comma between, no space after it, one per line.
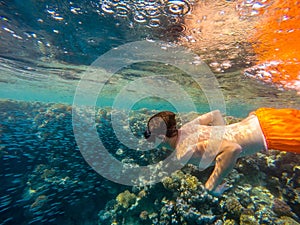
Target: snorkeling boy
(265,128)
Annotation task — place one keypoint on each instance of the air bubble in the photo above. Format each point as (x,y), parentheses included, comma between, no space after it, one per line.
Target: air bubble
(249,2)
(154,23)
(139,18)
(51,11)
(115,2)
(257,5)
(150,2)
(152,11)
(107,7)
(254,13)
(58,18)
(8,30)
(122,10)
(178,7)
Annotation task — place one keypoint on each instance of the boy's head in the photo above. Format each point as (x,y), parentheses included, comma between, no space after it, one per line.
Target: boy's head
(160,125)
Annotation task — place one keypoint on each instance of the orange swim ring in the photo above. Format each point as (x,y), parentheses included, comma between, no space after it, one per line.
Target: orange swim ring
(276,43)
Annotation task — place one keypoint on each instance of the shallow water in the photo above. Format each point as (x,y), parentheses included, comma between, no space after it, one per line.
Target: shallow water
(48,49)
(58,82)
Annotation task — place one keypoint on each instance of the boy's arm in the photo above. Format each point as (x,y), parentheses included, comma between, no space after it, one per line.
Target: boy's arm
(225,161)
(214,118)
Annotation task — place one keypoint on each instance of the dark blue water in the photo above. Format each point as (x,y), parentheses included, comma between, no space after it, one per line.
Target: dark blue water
(48,49)
(78,38)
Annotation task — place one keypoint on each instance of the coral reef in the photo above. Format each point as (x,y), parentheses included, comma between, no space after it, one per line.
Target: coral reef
(284,220)
(51,183)
(126,199)
(281,208)
(186,202)
(248,220)
(233,207)
(183,200)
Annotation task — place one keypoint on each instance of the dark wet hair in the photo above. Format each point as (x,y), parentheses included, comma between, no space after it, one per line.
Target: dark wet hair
(162,123)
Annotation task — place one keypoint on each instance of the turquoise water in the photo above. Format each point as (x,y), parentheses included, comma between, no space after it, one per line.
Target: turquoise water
(48,50)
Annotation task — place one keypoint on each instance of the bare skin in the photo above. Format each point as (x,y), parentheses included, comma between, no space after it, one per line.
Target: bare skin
(207,139)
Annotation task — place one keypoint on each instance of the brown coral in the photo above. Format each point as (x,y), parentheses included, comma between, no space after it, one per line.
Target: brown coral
(281,208)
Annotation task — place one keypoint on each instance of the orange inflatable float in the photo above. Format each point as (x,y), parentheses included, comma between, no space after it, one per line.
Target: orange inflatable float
(281,128)
(276,43)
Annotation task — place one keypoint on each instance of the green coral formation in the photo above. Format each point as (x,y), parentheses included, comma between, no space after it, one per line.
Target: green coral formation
(230,222)
(169,184)
(262,195)
(180,181)
(248,220)
(126,199)
(190,182)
